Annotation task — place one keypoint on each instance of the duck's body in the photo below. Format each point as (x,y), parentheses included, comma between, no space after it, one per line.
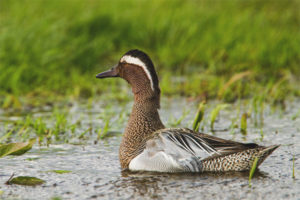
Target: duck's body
(148,146)
(183,150)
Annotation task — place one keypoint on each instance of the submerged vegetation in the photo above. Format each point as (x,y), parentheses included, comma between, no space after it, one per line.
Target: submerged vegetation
(25,180)
(221,49)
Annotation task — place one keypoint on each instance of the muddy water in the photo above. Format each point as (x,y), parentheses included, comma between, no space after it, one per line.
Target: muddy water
(95,171)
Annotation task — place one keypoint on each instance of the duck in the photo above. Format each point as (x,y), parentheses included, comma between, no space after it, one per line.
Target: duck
(147,145)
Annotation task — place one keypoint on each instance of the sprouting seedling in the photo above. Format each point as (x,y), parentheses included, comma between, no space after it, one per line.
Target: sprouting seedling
(40,128)
(236,77)
(261,112)
(73,128)
(261,134)
(11,101)
(81,136)
(233,125)
(244,123)
(122,117)
(295,116)
(29,121)
(258,108)
(199,116)
(293,173)
(6,136)
(102,133)
(215,113)
(61,122)
(253,168)
(175,122)
(255,109)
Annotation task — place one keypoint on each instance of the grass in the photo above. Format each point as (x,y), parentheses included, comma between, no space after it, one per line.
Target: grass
(215,112)
(58,171)
(174,122)
(199,116)
(293,173)
(244,123)
(252,170)
(51,51)
(227,49)
(61,124)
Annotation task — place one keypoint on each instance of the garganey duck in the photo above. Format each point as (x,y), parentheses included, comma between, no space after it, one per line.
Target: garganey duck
(148,146)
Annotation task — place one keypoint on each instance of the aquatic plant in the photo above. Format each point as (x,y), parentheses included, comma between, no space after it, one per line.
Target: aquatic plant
(199,116)
(25,180)
(293,173)
(173,122)
(244,123)
(103,133)
(252,171)
(17,148)
(59,171)
(215,112)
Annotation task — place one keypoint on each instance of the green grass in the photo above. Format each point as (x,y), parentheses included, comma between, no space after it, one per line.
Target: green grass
(199,116)
(227,49)
(214,114)
(243,127)
(252,170)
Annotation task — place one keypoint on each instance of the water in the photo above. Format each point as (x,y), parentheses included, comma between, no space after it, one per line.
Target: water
(96,174)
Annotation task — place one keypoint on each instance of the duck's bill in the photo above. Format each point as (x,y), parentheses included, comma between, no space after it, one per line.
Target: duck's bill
(109,73)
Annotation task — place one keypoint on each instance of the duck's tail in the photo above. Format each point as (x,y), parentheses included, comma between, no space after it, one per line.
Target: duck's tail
(264,153)
(239,161)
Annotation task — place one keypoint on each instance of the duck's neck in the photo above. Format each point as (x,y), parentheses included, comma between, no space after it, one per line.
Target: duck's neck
(144,120)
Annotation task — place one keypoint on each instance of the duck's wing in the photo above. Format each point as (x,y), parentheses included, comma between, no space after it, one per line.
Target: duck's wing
(178,149)
(221,146)
(202,145)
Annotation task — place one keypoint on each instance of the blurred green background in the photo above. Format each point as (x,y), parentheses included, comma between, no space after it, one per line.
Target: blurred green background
(209,49)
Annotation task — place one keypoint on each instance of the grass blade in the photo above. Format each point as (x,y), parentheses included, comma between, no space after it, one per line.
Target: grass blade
(199,116)
(215,113)
(244,123)
(253,168)
(293,173)
(232,80)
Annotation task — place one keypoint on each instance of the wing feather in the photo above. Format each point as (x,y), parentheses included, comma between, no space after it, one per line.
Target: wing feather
(194,142)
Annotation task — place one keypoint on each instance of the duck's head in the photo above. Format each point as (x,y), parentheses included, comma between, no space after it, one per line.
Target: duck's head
(137,69)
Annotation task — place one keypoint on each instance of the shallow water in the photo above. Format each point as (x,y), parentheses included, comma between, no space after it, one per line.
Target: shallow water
(96,174)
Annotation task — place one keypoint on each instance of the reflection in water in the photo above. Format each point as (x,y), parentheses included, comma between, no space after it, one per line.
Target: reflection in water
(156,185)
(141,186)
(216,175)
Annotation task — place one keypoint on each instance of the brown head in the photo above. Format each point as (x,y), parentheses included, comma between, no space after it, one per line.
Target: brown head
(138,70)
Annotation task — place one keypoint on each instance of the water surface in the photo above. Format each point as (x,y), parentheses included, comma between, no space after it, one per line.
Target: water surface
(96,174)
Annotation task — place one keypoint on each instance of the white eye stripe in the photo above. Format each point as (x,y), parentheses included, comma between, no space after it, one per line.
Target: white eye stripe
(138,62)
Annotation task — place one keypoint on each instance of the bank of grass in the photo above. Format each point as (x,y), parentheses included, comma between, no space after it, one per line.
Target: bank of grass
(209,49)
